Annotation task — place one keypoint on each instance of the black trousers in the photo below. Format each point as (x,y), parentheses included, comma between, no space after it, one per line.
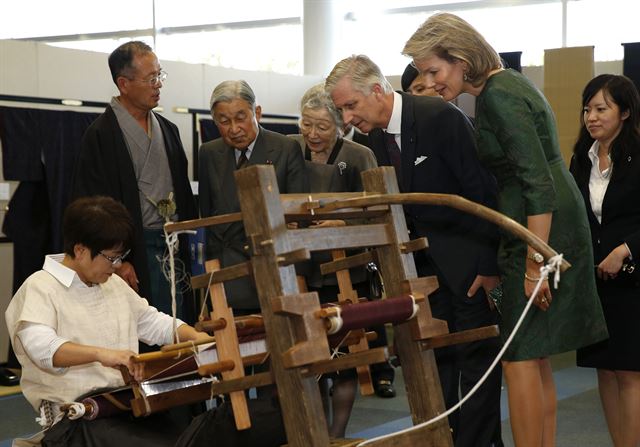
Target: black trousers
(460,367)
(157,430)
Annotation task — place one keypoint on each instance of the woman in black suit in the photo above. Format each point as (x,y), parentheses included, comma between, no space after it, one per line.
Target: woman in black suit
(606,166)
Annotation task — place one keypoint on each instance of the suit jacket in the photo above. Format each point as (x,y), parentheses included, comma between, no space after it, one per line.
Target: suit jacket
(104,167)
(439,156)
(361,138)
(218,195)
(620,209)
(342,172)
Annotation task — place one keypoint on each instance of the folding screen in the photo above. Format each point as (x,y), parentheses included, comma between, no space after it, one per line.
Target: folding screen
(631,62)
(566,72)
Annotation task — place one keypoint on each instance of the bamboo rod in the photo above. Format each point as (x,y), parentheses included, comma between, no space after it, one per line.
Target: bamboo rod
(452,201)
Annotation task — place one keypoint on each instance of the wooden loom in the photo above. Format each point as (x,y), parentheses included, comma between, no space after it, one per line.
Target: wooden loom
(295,335)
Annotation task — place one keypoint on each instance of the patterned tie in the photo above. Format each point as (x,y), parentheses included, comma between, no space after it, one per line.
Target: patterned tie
(242,159)
(394,154)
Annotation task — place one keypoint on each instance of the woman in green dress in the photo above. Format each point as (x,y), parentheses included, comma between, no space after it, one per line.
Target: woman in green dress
(517,141)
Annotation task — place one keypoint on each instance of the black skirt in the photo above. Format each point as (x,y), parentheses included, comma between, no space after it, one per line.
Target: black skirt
(620,300)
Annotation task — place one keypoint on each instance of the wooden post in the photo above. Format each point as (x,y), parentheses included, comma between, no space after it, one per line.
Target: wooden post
(418,367)
(266,230)
(228,346)
(348,295)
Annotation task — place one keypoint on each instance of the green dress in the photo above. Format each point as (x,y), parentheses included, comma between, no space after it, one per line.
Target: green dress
(517,141)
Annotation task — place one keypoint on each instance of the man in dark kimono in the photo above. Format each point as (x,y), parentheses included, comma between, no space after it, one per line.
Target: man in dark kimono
(135,156)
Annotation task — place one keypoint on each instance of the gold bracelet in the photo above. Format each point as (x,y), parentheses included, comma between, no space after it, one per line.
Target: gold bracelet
(531,278)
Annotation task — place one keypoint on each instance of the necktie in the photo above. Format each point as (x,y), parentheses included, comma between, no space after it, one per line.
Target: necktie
(242,159)
(394,154)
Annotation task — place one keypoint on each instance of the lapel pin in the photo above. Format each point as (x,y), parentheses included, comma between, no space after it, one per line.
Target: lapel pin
(342,166)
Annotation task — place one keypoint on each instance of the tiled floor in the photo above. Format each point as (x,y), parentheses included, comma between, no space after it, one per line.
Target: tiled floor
(580,420)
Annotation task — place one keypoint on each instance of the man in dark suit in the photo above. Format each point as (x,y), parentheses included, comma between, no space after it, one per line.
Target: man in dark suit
(351,134)
(430,143)
(243,142)
(135,155)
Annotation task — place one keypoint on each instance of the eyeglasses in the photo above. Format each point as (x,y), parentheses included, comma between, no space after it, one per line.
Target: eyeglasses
(115,259)
(322,128)
(160,77)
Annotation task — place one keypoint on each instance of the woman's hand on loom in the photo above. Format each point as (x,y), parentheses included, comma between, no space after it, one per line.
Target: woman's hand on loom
(128,273)
(328,223)
(115,358)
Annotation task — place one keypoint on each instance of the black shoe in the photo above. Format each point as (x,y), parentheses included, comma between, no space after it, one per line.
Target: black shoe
(8,377)
(384,388)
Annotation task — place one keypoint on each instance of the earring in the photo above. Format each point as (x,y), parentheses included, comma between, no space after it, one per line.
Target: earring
(465,78)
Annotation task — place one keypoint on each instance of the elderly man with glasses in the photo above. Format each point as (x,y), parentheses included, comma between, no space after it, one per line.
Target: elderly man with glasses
(243,142)
(135,155)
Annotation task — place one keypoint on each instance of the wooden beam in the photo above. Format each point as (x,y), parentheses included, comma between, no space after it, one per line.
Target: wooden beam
(228,348)
(346,263)
(194,224)
(456,202)
(332,238)
(348,361)
(456,338)
(424,437)
(418,367)
(222,275)
(414,245)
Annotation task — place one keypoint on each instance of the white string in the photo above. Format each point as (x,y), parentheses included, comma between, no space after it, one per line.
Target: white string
(76,410)
(335,352)
(183,283)
(171,239)
(214,379)
(553,265)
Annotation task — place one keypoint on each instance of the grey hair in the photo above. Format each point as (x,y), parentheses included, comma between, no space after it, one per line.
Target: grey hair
(317,98)
(451,38)
(362,71)
(227,91)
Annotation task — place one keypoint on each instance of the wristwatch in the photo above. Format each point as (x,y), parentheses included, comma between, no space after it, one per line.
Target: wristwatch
(536,257)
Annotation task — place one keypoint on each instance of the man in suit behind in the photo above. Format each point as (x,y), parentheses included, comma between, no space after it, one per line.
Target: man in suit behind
(430,143)
(243,142)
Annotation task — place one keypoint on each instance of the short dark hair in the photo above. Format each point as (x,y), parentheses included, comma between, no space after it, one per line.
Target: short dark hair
(121,59)
(99,223)
(409,75)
